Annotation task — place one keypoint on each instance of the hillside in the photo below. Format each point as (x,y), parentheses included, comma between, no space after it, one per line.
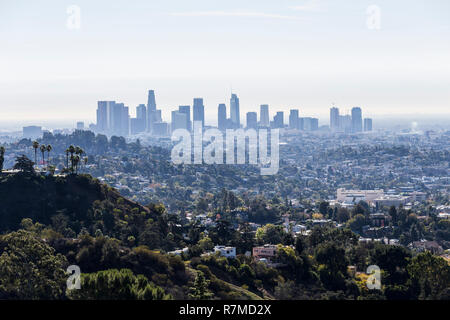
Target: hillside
(51,222)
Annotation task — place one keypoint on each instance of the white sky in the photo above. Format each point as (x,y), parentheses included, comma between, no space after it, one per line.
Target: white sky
(287,53)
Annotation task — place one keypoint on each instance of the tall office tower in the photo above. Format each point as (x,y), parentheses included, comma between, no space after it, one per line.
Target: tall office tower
(356,120)
(278,120)
(310,124)
(151,109)
(307,125)
(345,123)
(160,128)
(367,124)
(314,124)
(141,112)
(301,124)
(234,111)
(103,115)
(222,117)
(293,119)
(32,132)
(158,116)
(80,125)
(187,111)
(334,119)
(179,121)
(199,110)
(252,120)
(264,115)
(151,101)
(125,119)
(139,124)
(116,114)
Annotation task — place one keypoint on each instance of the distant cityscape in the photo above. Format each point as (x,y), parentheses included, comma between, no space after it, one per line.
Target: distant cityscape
(113,119)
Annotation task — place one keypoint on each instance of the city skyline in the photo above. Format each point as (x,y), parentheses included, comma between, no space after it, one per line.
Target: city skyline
(305,54)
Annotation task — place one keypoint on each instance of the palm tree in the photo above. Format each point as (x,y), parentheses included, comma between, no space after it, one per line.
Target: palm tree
(2,157)
(71,150)
(85,160)
(35,147)
(43,149)
(67,158)
(49,148)
(76,161)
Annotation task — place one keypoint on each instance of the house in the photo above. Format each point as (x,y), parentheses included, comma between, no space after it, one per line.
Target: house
(425,245)
(179,252)
(228,252)
(378,219)
(268,251)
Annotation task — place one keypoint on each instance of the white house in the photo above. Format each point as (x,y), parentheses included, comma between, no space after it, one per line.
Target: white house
(229,252)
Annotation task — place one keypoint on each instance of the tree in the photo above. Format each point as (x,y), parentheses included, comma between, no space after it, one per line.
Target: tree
(116,284)
(333,265)
(24,164)
(43,149)
(71,150)
(2,157)
(49,148)
(29,268)
(430,275)
(270,234)
(35,147)
(200,289)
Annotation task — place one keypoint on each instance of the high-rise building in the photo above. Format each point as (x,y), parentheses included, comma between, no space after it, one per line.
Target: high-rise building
(141,113)
(116,114)
(151,101)
(151,110)
(179,121)
(222,117)
(160,129)
(252,120)
(199,110)
(104,109)
(113,118)
(139,124)
(264,115)
(345,123)
(136,125)
(80,125)
(125,122)
(293,119)
(356,120)
(334,119)
(32,132)
(187,111)
(234,111)
(278,120)
(310,124)
(367,124)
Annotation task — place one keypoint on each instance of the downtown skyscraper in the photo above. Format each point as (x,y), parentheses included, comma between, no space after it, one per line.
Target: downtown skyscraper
(334,119)
(357,122)
(234,111)
(264,116)
(199,111)
(151,110)
(222,117)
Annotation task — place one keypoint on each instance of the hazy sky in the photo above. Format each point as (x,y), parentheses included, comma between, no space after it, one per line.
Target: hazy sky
(287,53)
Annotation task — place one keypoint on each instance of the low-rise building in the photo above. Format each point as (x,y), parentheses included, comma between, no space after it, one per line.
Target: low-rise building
(229,252)
(268,251)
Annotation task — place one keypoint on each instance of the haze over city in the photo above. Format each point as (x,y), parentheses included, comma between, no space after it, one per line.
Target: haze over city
(288,54)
